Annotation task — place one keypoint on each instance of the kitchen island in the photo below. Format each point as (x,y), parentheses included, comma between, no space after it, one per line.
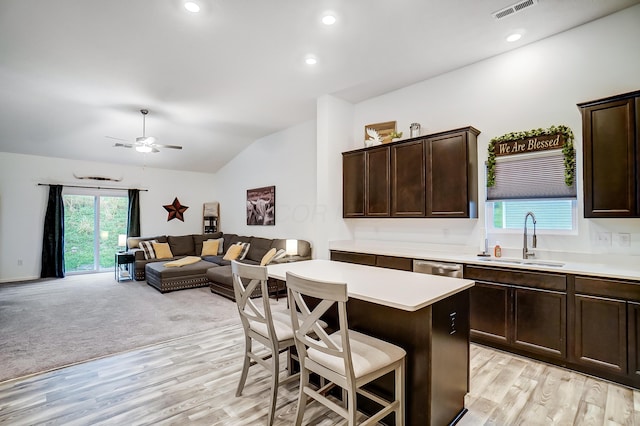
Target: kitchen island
(426,315)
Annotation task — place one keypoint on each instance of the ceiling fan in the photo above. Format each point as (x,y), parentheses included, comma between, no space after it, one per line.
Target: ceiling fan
(144,143)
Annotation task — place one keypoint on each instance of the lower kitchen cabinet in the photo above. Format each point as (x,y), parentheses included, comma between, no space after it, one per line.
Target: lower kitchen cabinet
(606,331)
(524,312)
(633,311)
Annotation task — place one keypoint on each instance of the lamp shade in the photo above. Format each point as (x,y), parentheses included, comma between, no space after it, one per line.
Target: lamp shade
(291,248)
(122,240)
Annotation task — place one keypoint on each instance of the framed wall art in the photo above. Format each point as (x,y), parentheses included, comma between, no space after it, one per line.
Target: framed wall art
(261,206)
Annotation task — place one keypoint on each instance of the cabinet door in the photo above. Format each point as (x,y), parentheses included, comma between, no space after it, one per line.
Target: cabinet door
(633,316)
(447,176)
(407,180)
(377,183)
(353,168)
(610,159)
(601,333)
(489,309)
(540,323)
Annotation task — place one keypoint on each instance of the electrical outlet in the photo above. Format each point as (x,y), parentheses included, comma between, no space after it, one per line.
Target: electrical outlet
(19,262)
(624,239)
(604,239)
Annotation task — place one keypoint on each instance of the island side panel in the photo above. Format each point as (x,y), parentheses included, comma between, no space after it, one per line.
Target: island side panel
(412,332)
(450,358)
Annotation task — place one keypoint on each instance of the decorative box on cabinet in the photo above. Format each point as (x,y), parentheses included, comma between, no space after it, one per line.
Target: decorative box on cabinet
(611,147)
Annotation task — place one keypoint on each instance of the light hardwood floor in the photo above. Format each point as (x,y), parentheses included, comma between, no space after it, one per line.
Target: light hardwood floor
(192,380)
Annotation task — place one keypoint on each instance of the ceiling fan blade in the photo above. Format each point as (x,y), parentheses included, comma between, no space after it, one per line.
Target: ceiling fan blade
(167,146)
(118,139)
(123,145)
(153,149)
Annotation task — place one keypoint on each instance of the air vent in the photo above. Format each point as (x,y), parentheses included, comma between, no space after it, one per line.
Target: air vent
(514,8)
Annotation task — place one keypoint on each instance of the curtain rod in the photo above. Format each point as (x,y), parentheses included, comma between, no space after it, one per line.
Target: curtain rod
(89,187)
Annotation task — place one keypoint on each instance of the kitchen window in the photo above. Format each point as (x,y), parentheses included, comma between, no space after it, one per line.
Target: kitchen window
(553,216)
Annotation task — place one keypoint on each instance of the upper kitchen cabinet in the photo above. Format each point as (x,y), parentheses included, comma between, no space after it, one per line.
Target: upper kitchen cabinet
(365,182)
(430,176)
(452,173)
(611,146)
(408,179)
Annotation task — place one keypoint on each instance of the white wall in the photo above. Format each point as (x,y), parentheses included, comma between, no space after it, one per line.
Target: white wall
(287,160)
(535,86)
(23,202)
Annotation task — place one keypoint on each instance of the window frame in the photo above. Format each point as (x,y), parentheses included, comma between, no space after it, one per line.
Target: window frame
(490,228)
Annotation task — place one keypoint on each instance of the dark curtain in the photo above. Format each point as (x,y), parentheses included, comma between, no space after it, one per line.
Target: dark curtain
(133,216)
(53,238)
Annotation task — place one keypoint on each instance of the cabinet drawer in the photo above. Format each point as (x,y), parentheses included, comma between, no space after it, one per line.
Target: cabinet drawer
(542,280)
(360,258)
(608,288)
(392,262)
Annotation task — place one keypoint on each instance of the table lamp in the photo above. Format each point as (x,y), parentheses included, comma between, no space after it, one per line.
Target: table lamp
(122,240)
(291,248)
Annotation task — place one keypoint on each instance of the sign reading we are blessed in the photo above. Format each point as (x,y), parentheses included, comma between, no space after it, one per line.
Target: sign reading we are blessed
(533,144)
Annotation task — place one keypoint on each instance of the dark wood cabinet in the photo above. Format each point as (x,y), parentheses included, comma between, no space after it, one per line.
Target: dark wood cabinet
(633,322)
(353,167)
(489,312)
(431,176)
(377,189)
(391,262)
(452,174)
(524,312)
(607,319)
(600,333)
(611,152)
(408,179)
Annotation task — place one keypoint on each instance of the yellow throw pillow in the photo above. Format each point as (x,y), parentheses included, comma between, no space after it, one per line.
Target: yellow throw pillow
(210,248)
(268,257)
(233,252)
(162,251)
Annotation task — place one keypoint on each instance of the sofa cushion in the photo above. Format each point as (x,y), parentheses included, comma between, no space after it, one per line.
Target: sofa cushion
(268,257)
(134,242)
(147,249)
(198,239)
(163,250)
(259,246)
(182,245)
(237,251)
(217,260)
(209,248)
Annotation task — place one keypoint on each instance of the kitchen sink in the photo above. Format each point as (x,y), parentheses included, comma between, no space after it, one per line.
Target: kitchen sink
(548,263)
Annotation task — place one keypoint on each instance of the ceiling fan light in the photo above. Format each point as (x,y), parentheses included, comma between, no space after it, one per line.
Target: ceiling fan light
(143,148)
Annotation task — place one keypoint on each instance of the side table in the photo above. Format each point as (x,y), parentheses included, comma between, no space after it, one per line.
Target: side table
(124,266)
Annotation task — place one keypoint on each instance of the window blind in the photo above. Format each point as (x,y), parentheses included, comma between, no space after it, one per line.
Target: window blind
(530,176)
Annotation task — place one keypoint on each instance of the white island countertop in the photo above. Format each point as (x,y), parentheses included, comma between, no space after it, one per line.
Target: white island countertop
(404,290)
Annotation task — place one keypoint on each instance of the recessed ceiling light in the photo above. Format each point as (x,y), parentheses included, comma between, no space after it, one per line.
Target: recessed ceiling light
(328,19)
(310,60)
(514,37)
(192,6)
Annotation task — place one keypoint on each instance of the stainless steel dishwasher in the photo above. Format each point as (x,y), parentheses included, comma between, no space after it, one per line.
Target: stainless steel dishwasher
(438,268)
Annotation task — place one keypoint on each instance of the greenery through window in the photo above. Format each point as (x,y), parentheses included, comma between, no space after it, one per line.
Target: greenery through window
(553,215)
(92,224)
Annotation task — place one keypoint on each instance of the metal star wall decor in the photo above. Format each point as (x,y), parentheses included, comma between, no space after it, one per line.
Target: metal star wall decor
(176,210)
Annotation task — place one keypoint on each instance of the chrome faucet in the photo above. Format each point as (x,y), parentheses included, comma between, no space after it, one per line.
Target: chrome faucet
(525,250)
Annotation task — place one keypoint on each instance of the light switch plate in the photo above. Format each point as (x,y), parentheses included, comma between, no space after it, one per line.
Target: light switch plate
(604,239)
(624,239)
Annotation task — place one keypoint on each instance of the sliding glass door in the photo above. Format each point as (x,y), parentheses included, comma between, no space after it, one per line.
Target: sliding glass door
(93,220)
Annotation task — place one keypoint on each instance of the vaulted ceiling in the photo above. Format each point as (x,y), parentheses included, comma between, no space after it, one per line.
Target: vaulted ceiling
(74,72)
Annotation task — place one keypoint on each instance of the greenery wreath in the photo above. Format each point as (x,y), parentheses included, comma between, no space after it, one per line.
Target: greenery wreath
(567,150)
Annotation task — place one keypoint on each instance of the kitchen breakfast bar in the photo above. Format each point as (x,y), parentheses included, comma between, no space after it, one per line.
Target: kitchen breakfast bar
(427,315)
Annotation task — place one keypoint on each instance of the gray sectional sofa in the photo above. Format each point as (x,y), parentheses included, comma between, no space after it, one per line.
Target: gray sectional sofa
(211,270)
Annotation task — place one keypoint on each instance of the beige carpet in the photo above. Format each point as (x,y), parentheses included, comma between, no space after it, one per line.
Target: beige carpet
(52,323)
